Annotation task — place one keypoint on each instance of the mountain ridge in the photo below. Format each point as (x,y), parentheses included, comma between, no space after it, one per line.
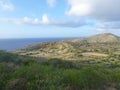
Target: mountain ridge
(99,38)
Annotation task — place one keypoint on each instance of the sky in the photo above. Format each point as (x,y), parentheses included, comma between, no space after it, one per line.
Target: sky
(58,18)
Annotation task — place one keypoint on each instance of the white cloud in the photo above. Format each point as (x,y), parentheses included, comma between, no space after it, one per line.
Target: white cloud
(69,23)
(78,8)
(97,9)
(108,25)
(51,3)
(26,20)
(6,5)
(45,21)
(35,21)
(105,12)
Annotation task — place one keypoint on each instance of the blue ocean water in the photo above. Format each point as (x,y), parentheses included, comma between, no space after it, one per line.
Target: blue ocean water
(13,44)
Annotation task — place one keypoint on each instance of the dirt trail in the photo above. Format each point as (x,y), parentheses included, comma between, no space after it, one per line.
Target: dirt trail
(94,54)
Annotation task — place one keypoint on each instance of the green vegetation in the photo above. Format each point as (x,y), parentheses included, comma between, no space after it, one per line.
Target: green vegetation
(103,45)
(82,64)
(30,73)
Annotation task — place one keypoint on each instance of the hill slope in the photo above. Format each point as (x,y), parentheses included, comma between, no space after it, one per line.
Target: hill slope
(103,38)
(100,38)
(29,73)
(97,46)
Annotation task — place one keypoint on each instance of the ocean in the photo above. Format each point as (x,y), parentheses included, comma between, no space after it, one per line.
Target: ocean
(13,44)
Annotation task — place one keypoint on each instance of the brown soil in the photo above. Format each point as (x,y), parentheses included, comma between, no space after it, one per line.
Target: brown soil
(94,54)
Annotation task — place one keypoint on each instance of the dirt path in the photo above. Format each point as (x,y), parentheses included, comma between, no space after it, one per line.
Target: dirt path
(94,54)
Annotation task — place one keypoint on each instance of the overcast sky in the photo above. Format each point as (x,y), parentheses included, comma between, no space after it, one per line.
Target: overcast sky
(58,18)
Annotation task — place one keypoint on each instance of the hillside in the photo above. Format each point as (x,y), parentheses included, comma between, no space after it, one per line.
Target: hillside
(29,73)
(100,38)
(64,65)
(103,38)
(101,45)
(49,49)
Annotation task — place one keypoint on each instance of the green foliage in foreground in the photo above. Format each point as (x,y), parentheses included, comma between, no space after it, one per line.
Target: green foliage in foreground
(27,73)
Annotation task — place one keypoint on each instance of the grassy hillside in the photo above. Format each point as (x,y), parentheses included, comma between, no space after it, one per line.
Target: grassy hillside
(100,38)
(30,73)
(103,45)
(81,64)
